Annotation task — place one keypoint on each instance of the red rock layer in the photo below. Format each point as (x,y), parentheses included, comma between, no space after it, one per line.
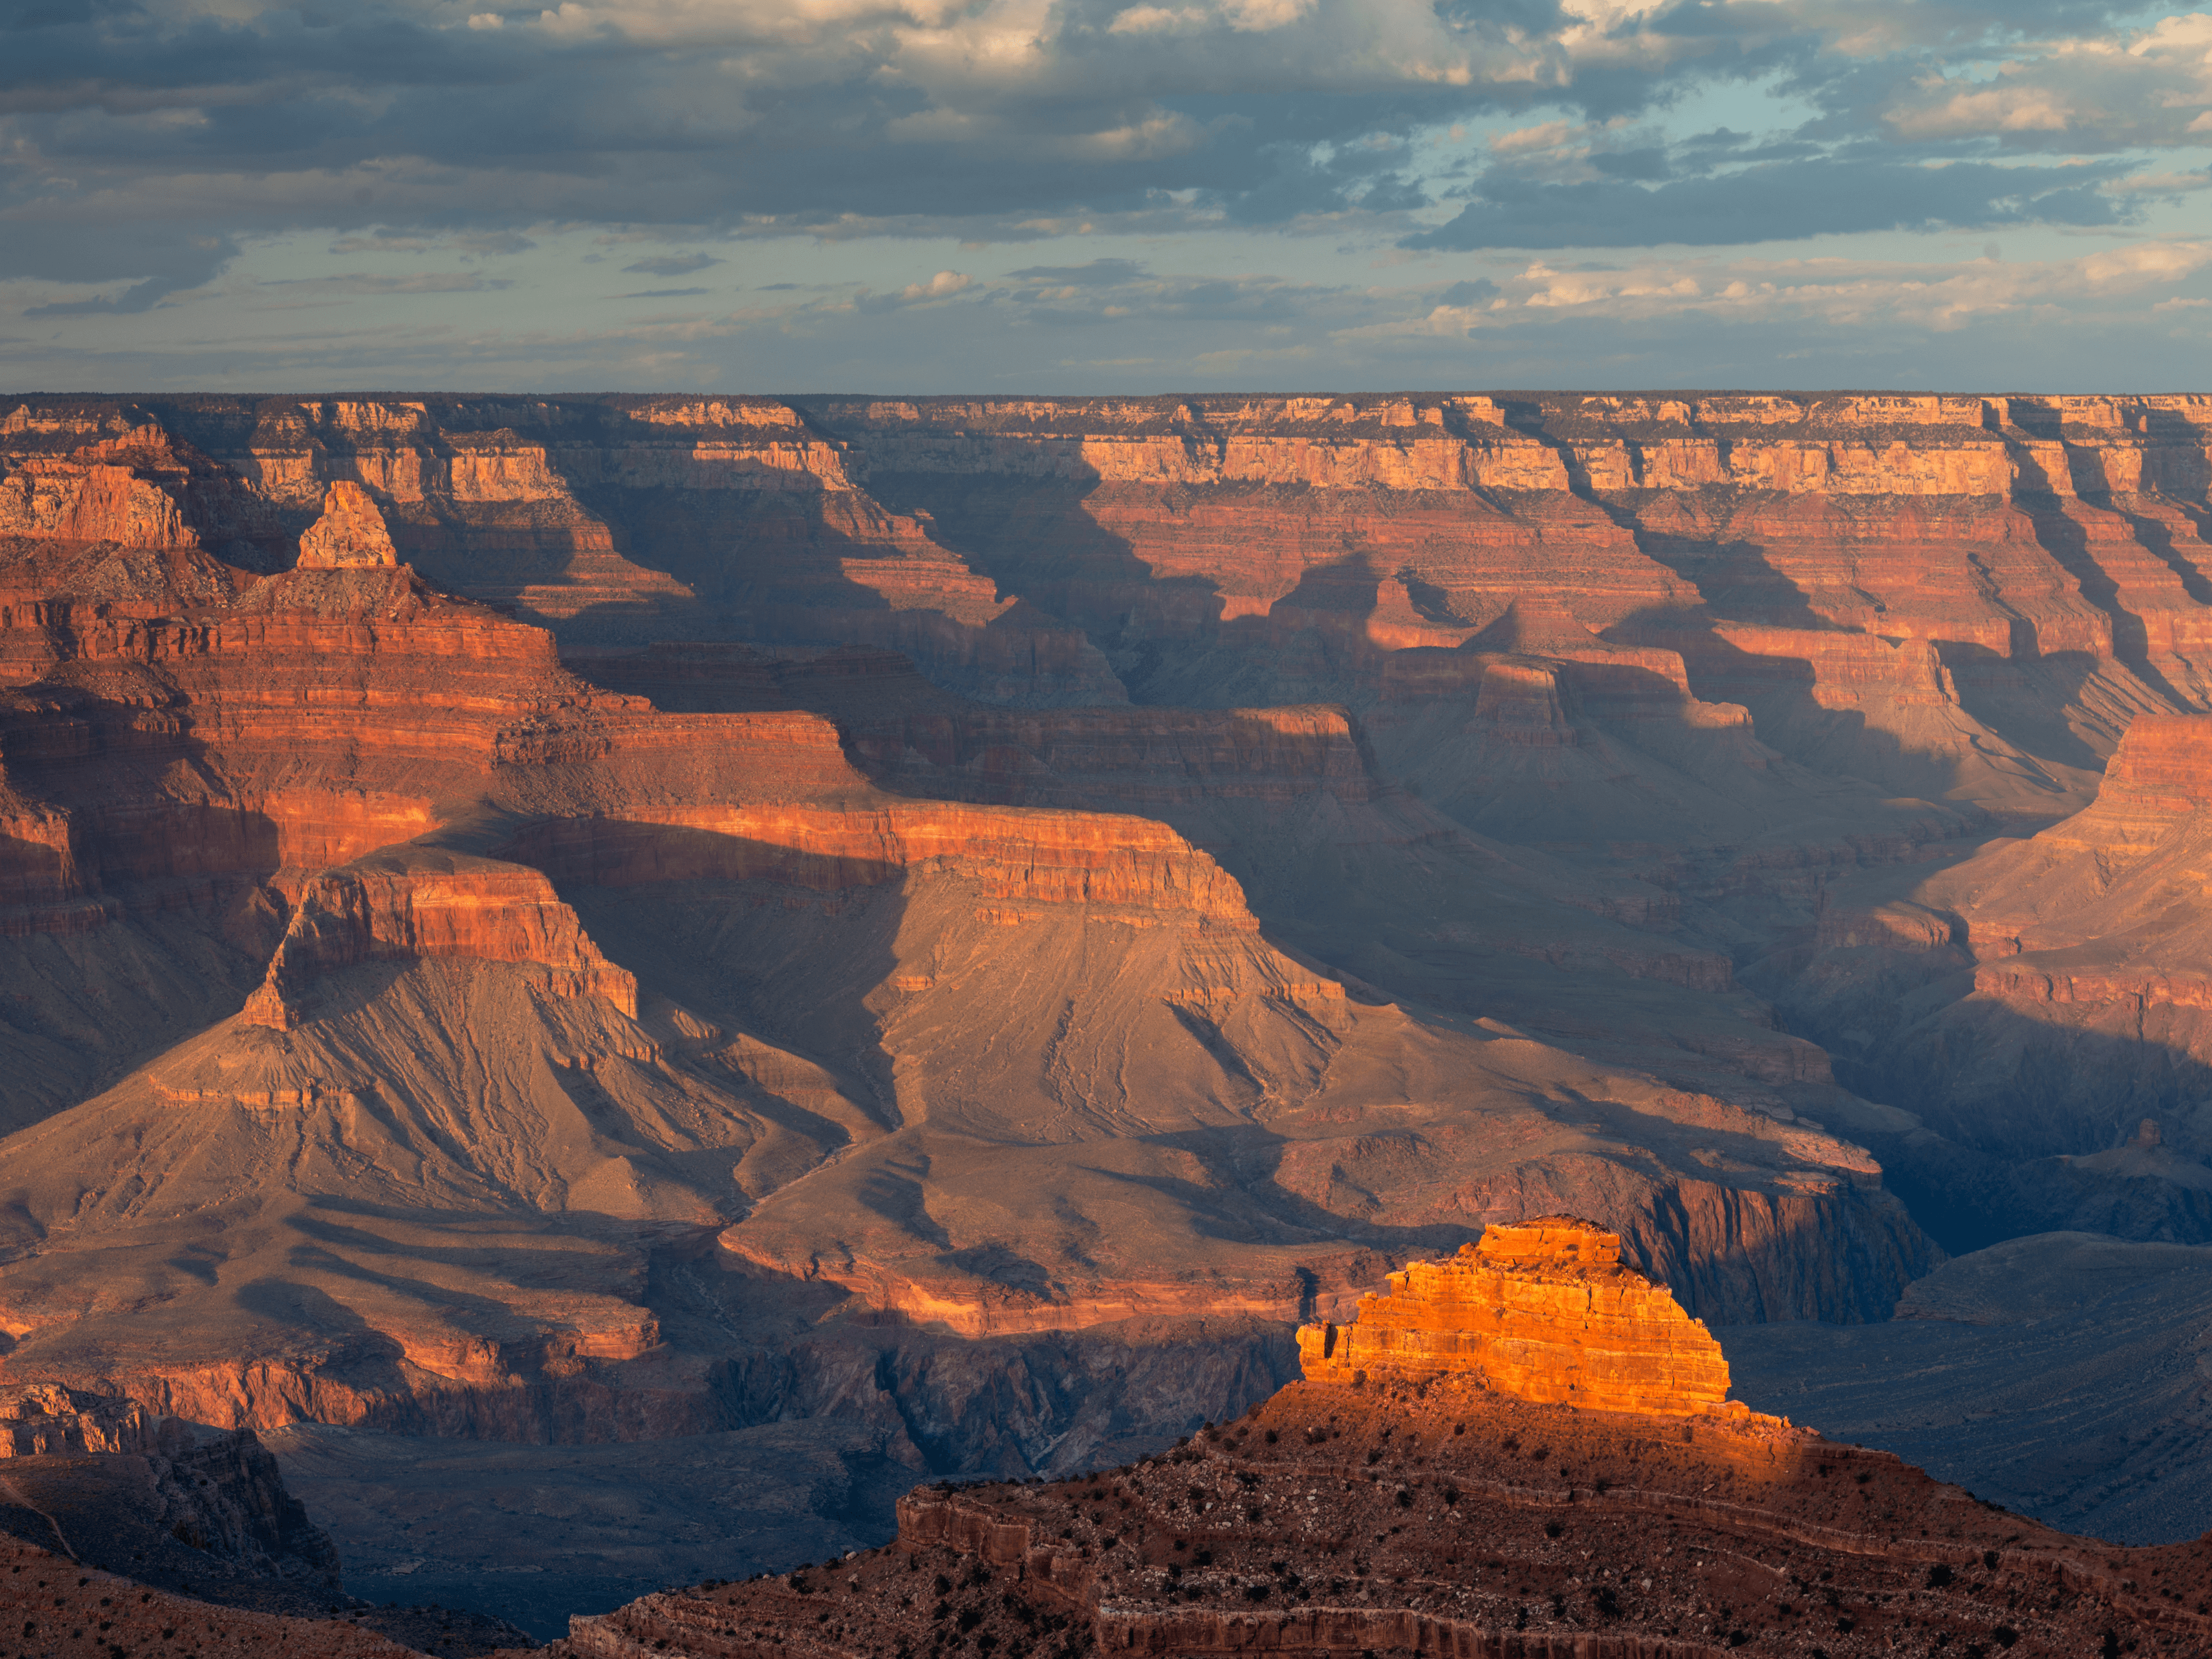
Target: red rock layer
(1443,1518)
(2163,768)
(1329,533)
(1013,853)
(351,534)
(1540,1309)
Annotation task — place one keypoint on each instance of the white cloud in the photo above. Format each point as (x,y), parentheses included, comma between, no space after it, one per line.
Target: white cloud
(937,287)
(1838,294)
(2096,92)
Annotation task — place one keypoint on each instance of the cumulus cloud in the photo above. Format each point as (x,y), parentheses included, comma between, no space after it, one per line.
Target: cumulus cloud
(2096,92)
(1842,293)
(937,287)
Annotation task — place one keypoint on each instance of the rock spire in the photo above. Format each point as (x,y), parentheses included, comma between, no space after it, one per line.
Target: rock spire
(351,534)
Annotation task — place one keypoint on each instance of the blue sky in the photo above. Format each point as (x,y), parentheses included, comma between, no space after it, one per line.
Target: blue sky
(1098,195)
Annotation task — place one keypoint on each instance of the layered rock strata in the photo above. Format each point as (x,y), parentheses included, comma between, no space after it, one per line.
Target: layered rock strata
(431,907)
(1301,832)
(351,534)
(1780,546)
(1540,1309)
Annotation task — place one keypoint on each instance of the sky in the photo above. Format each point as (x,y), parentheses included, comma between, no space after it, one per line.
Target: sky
(1104,196)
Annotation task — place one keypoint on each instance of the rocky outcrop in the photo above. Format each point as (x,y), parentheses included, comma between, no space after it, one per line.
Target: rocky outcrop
(50,1420)
(1540,1309)
(1441,1516)
(149,1494)
(1021,855)
(430,907)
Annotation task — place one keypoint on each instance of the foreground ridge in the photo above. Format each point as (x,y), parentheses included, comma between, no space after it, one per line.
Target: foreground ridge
(1445,1501)
(1446,1518)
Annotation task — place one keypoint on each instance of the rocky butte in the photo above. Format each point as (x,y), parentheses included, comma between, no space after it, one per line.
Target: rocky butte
(1543,1309)
(1445,1499)
(861,939)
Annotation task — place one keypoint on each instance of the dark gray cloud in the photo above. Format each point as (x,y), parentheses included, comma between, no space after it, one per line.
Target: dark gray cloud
(81,248)
(672,264)
(1773,202)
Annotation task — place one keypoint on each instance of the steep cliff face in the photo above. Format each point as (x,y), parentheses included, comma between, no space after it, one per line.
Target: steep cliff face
(2042,1003)
(1281,550)
(48,1420)
(427,907)
(2048,523)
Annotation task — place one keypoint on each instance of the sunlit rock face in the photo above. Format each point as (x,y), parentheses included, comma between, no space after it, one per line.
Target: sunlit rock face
(49,1420)
(1540,1309)
(351,534)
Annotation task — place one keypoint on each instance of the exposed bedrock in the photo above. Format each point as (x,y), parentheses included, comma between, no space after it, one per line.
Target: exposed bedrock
(990,538)
(1541,1308)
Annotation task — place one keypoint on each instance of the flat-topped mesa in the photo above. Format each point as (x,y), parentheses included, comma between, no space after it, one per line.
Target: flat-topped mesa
(1542,1309)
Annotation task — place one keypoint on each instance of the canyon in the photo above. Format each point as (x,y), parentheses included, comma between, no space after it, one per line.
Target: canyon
(881,939)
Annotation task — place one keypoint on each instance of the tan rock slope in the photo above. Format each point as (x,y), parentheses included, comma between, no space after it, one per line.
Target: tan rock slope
(1426,1506)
